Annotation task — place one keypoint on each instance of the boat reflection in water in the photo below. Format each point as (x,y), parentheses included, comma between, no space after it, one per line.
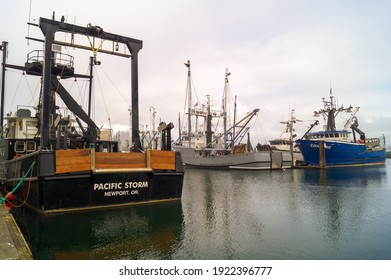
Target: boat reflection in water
(299,214)
(139,232)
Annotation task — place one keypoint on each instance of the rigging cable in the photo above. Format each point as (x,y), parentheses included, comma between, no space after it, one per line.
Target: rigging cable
(103,97)
(31,92)
(17,88)
(115,86)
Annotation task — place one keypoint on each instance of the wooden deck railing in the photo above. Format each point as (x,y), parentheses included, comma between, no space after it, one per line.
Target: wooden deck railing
(69,161)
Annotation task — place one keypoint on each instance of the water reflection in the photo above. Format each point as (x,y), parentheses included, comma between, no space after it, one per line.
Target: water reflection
(219,220)
(292,214)
(139,232)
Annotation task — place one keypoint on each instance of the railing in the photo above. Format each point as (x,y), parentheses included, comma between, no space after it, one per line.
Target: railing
(78,160)
(59,59)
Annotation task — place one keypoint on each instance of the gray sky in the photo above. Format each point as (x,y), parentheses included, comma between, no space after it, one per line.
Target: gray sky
(282,54)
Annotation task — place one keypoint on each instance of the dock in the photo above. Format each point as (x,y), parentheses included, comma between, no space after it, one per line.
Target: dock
(13,246)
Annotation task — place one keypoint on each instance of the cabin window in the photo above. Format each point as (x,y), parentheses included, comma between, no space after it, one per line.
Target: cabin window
(20,146)
(105,147)
(31,146)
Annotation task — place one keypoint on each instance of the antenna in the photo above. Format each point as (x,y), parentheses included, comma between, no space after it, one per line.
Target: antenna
(28,25)
(331,88)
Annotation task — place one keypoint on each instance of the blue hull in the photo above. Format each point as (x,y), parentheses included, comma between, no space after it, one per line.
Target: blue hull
(341,153)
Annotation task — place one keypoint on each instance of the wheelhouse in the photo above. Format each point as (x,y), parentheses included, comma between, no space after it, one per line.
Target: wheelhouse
(330,135)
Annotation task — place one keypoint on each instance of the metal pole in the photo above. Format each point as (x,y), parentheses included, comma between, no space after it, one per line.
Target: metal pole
(225,108)
(189,100)
(135,109)
(90,88)
(4,49)
(48,30)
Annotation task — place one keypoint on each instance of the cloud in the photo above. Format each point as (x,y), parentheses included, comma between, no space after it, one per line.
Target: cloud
(282,54)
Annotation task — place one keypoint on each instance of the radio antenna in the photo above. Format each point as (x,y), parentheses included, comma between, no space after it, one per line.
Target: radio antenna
(28,25)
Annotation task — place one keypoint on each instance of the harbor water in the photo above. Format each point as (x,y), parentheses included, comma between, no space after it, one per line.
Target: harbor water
(300,214)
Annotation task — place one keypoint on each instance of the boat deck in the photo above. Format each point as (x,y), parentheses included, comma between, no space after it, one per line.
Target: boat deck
(13,246)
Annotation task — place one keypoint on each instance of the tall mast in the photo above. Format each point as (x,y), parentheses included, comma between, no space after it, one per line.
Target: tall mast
(329,110)
(3,47)
(234,124)
(179,128)
(208,123)
(226,85)
(290,123)
(90,85)
(188,93)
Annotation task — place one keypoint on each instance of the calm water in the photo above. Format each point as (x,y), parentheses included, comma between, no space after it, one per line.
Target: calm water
(292,214)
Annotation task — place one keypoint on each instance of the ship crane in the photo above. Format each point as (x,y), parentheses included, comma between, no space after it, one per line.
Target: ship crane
(305,136)
(351,119)
(355,128)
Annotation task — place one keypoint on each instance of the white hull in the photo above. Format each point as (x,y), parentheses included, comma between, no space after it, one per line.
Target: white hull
(263,160)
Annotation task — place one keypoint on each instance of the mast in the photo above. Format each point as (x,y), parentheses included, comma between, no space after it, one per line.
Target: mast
(208,124)
(179,128)
(90,85)
(3,47)
(290,123)
(188,93)
(226,85)
(234,125)
(331,111)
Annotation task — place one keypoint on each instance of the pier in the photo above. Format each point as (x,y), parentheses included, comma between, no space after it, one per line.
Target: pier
(13,246)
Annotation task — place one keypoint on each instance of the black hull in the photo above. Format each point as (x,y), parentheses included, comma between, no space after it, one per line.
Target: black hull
(47,192)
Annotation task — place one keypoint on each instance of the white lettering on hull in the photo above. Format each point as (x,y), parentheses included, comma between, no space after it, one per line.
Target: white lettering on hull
(120,188)
(317,146)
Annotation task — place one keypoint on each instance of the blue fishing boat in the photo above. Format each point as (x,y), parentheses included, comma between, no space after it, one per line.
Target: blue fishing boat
(344,147)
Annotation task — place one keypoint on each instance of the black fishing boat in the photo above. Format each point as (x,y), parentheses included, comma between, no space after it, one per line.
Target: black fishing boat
(51,165)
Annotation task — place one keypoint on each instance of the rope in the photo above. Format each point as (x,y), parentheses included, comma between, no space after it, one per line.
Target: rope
(95,50)
(28,191)
(3,199)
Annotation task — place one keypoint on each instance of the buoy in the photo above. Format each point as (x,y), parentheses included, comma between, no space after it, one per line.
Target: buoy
(10,196)
(8,205)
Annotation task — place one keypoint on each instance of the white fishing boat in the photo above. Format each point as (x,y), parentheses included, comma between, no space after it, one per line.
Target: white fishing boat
(285,142)
(230,149)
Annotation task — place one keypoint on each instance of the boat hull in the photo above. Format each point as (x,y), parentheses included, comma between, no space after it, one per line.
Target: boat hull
(261,160)
(46,191)
(337,153)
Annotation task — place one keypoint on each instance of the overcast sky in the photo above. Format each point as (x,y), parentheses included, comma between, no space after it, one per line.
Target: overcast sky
(282,54)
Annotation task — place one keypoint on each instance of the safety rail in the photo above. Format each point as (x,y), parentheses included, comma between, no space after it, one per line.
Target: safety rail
(81,160)
(59,59)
